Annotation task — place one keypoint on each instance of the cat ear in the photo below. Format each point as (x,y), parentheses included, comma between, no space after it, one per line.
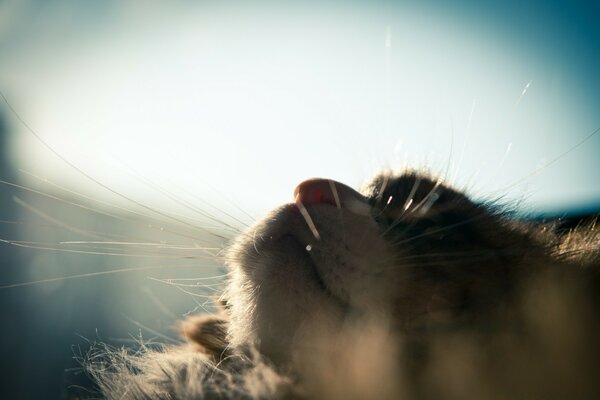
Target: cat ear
(208,332)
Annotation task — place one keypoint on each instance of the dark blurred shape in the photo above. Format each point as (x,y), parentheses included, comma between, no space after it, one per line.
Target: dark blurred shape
(36,350)
(12,303)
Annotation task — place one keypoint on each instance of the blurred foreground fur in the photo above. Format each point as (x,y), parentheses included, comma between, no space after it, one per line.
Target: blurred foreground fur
(406,289)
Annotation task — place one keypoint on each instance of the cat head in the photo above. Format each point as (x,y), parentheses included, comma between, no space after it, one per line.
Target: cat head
(406,252)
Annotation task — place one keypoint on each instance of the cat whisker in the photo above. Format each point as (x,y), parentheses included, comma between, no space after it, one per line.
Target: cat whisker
(411,195)
(446,174)
(195,295)
(505,156)
(212,287)
(80,276)
(338,204)
(100,212)
(159,303)
(53,247)
(406,210)
(205,278)
(386,178)
(428,204)
(549,163)
(88,176)
(160,245)
(254,241)
(336,196)
(55,221)
(218,192)
(154,332)
(308,219)
(523,92)
(159,251)
(186,204)
(465,142)
(405,207)
(88,232)
(427,198)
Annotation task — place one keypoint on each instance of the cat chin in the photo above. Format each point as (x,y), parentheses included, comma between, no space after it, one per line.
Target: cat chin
(292,284)
(275,294)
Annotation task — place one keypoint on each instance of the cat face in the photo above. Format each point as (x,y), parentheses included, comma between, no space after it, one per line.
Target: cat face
(406,251)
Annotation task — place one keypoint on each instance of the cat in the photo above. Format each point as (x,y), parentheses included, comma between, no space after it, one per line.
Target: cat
(403,289)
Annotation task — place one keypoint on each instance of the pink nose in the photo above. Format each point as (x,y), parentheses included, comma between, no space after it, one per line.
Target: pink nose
(319,191)
(327,191)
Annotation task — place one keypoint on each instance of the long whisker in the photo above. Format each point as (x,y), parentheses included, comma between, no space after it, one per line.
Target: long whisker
(206,278)
(551,162)
(88,231)
(186,203)
(336,196)
(208,286)
(221,194)
(523,92)
(46,246)
(46,181)
(427,198)
(97,211)
(427,202)
(338,204)
(466,141)
(91,178)
(161,245)
(411,195)
(450,153)
(386,179)
(217,209)
(126,210)
(143,251)
(54,221)
(152,331)
(408,203)
(79,276)
(308,219)
(188,292)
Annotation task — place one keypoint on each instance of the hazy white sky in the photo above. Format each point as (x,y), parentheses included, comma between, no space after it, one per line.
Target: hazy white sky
(244,101)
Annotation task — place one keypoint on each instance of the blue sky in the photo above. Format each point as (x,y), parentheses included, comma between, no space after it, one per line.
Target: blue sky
(244,100)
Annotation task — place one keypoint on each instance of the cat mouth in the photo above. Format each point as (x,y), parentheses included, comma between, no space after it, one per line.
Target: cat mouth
(318,266)
(288,233)
(311,234)
(312,265)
